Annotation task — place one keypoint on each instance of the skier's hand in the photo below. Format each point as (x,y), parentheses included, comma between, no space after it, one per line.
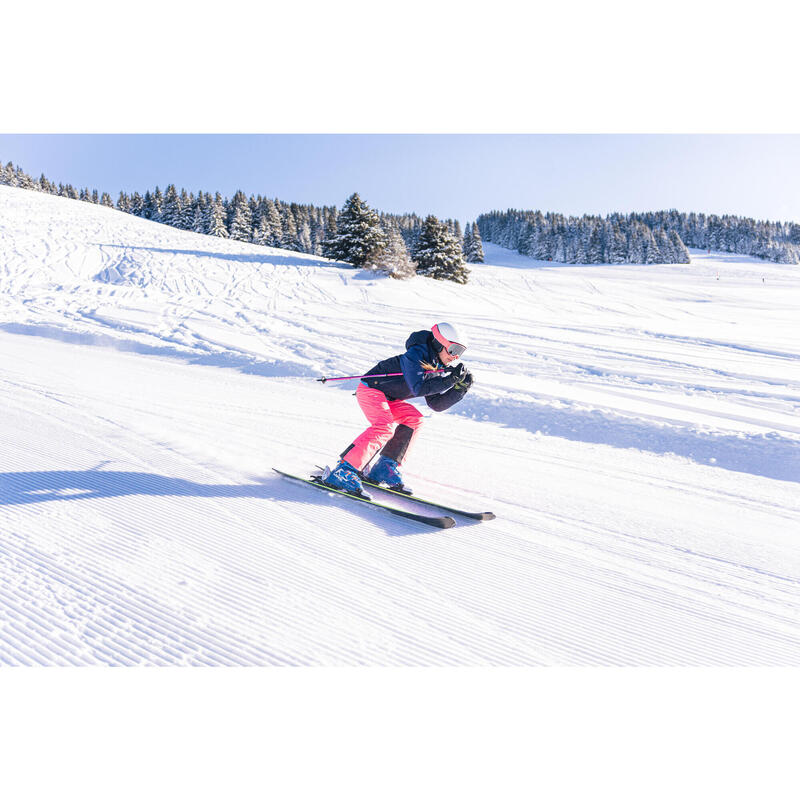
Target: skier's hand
(458,372)
(464,380)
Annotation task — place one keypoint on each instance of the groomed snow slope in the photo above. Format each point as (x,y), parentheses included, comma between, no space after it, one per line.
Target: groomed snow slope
(634,428)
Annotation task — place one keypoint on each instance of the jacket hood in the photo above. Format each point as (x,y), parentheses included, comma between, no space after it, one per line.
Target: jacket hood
(424,338)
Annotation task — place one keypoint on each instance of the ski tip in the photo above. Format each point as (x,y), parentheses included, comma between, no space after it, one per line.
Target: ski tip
(487,515)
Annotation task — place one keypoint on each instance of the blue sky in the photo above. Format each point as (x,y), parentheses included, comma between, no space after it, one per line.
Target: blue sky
(450,175)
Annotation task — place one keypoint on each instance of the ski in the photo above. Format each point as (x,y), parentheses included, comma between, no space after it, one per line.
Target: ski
(436,522)
(482,516)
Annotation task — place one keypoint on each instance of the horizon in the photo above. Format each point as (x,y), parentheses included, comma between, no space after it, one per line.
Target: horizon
(452,176)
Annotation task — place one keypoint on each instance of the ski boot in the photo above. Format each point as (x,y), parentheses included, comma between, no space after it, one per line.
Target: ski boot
(387,471)
(344,477)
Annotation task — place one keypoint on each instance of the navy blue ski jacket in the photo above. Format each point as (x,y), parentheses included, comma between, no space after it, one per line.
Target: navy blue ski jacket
(438,390)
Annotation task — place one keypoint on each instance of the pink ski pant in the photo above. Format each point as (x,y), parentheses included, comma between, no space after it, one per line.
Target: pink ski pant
(383,415)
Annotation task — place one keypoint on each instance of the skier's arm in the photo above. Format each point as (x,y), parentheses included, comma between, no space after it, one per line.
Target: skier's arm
(441,402)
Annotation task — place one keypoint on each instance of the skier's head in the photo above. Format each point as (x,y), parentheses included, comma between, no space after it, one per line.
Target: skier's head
(447,339)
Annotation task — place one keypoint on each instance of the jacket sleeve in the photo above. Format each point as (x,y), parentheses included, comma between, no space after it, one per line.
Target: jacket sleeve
(441,402)
(420,383)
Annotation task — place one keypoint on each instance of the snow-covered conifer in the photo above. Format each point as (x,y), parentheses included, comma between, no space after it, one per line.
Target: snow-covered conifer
(393,258)
(617,247)
(358,236)
(198,223)
(274,223)
(438,253)
(304,238)
(288,239)
(261,233)
(137,203)
(595,247)
(186,202)
(473,245)
(215,218)
(241,218)
(24,181)
(680,254)
(171,210)
(156,206)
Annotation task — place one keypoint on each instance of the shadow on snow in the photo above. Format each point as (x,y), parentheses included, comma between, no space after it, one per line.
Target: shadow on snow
(48,486)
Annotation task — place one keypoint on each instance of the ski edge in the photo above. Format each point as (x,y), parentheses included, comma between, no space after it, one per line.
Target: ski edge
(482,516)
(436,522)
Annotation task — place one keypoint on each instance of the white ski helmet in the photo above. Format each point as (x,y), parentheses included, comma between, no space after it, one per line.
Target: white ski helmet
(449,339)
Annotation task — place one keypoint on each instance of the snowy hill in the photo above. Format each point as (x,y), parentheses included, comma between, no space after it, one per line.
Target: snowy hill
(635,430)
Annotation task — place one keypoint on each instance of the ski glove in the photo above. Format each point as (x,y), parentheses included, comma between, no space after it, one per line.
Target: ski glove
(463,379)
(458,371)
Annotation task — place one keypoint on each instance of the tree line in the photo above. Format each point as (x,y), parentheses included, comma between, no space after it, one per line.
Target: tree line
(660,237)
(406,244)
(398,245)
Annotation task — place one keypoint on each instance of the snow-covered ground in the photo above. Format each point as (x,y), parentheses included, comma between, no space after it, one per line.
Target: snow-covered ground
(635,429)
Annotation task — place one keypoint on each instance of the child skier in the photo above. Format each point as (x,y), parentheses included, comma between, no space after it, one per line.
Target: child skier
(427,371)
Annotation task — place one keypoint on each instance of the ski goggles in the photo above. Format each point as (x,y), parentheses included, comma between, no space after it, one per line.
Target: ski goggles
(456,350)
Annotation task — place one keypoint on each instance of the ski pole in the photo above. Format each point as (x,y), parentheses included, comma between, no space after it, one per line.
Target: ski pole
(385,375)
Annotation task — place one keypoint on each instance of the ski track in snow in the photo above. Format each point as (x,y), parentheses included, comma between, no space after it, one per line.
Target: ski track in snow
(634,428)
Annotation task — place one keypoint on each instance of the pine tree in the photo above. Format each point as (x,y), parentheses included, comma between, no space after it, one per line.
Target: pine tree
(288,239)
(317,233)
(393,259)
(679,252)
(304,238)
(594,250)
(274,222)
(663,248)
(358,236)
(155,210)
(261,233)
(171,211)
(617,248)
(215,218)
(137,204)
(637,243)
(186,202)
(438,253)
(651,250)
(240,226)
(473,245)
(24,181)
(198,224)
